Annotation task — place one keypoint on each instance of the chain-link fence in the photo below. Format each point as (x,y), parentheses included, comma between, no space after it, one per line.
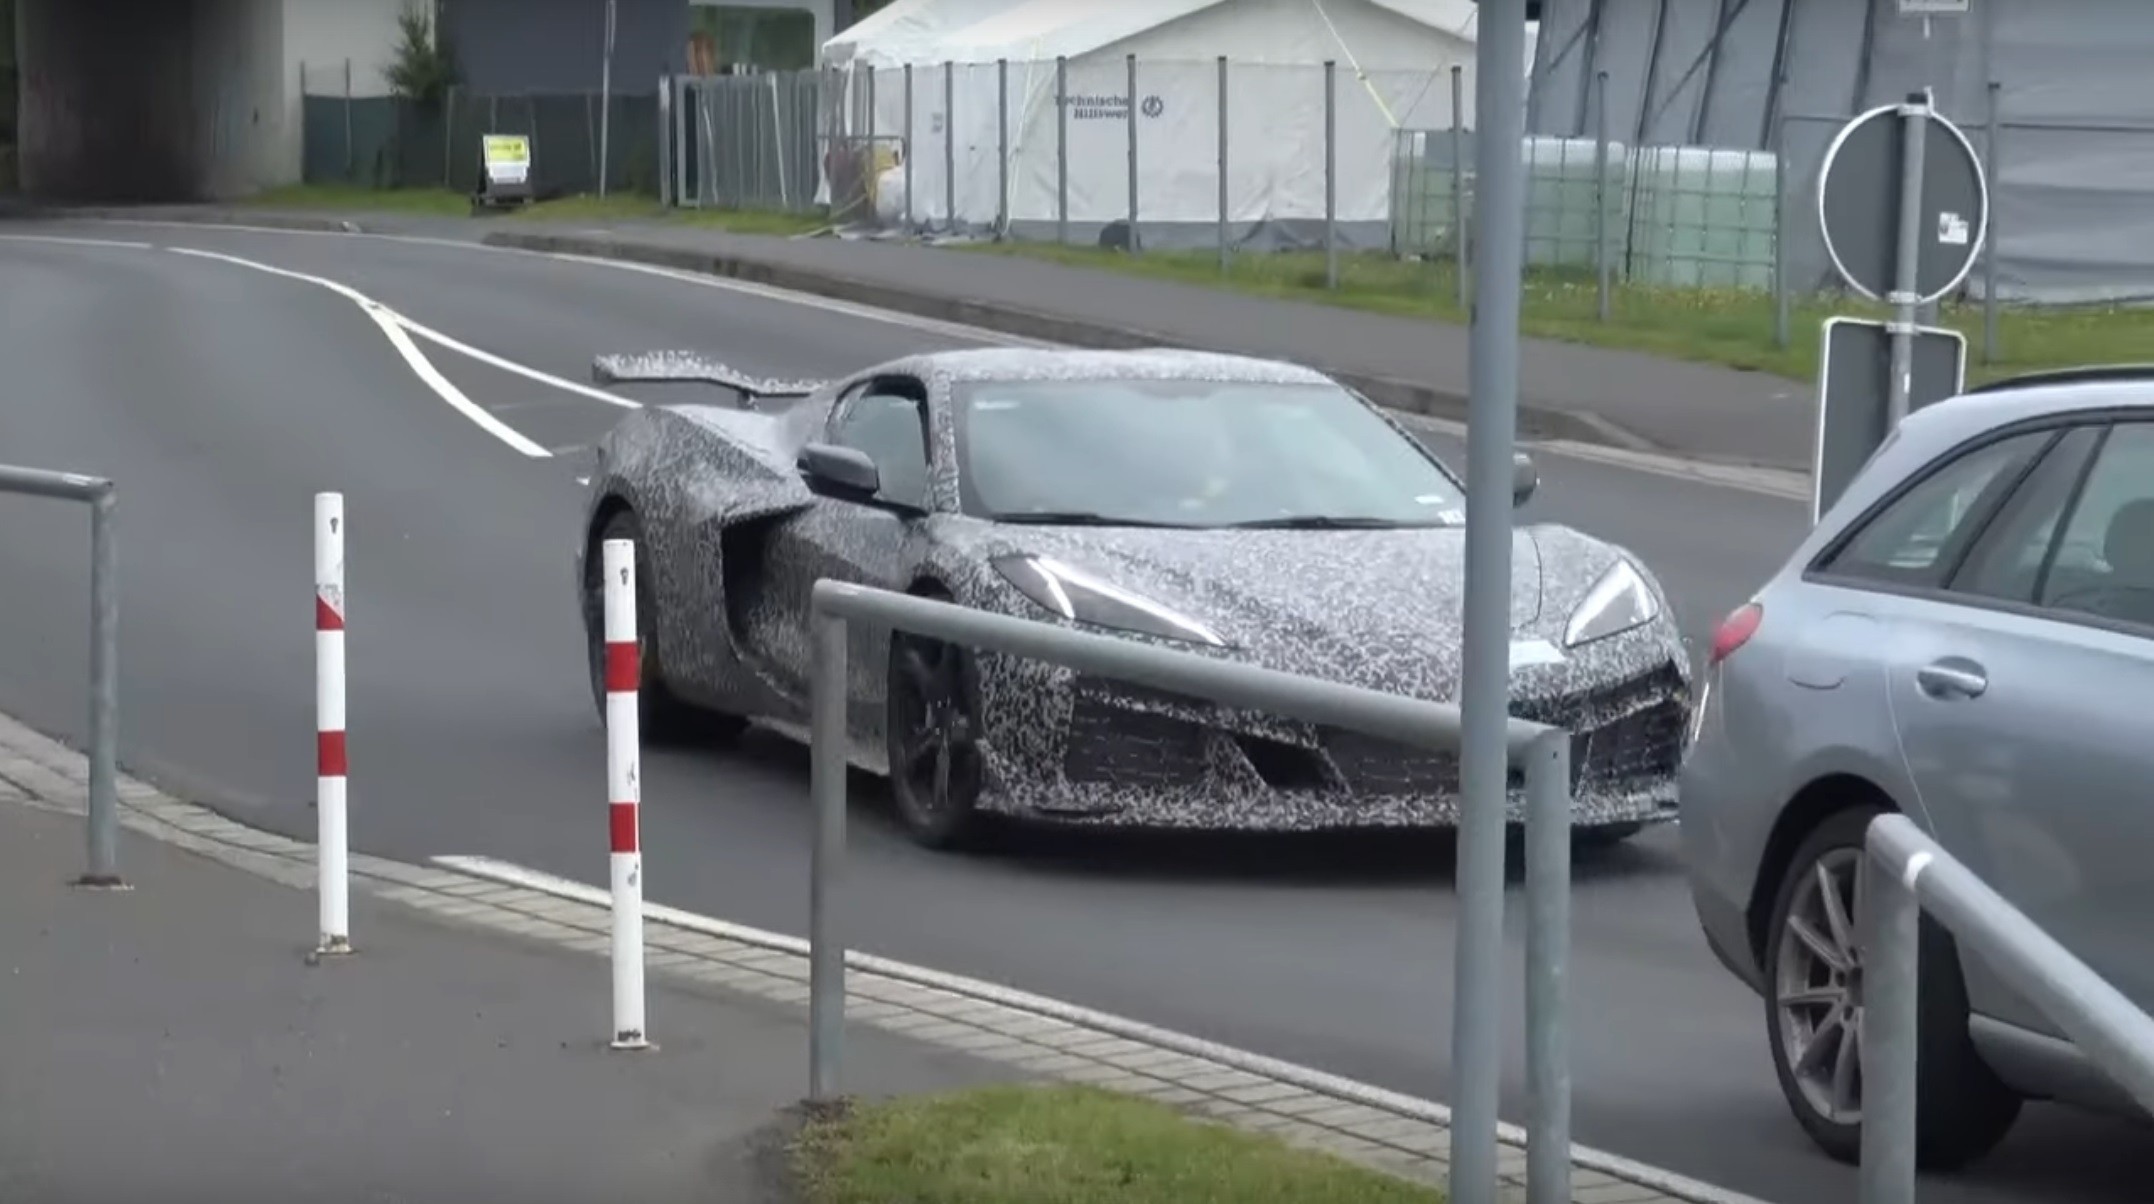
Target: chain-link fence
(394,142)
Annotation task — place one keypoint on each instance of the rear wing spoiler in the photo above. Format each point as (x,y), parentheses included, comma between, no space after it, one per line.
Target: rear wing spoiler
(689,367)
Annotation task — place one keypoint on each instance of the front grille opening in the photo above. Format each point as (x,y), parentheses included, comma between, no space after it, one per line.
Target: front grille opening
(1281,765)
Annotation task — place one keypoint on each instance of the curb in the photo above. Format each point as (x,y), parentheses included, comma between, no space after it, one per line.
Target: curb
(1038,1038)
(1534,421)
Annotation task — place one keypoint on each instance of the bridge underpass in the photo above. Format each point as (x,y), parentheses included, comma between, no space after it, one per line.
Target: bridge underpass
(141,100)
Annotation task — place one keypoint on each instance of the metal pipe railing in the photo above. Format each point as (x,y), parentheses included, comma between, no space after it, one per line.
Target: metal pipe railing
(1543,752)
(1908,874)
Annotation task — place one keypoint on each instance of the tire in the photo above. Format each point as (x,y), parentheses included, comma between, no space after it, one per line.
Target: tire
(1962,1109)
(660,716)
(915,713)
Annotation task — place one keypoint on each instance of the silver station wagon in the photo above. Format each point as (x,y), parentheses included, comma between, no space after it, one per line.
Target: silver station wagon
(1967,637)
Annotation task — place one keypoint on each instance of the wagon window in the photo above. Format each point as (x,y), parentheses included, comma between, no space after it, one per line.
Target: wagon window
(1917,537)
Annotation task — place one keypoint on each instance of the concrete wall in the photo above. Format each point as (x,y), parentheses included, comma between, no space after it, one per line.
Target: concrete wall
(107,99)
(509,47)
(238,95)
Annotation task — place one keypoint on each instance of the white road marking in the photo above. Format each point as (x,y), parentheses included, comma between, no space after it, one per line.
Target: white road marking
(1776,483)
(395,326)
(506,365)
(75,242)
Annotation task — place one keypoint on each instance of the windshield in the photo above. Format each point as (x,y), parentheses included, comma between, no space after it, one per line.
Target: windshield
(1192,453)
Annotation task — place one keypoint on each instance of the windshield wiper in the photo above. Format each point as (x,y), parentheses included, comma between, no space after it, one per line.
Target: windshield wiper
(1075,518)
(1324,522)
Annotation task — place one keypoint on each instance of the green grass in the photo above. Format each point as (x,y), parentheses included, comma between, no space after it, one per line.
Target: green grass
(440,202)
(1731,327)
(1066,1145)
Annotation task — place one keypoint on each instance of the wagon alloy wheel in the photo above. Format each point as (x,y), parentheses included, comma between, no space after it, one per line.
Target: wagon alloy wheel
(1819,995)
(935,762)
(1814,969)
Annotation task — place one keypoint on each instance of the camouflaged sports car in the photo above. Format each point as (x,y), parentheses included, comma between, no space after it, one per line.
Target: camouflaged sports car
(1233,506)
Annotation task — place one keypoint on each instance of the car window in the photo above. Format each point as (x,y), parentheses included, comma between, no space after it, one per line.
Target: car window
(2008,561)
(890,426)
(2104,562)
(1914,540)
(1193,452)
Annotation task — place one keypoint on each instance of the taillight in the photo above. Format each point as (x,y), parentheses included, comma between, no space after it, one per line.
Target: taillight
(1735,631)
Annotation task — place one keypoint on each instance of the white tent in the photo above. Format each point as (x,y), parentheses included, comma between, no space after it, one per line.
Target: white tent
(1394,60)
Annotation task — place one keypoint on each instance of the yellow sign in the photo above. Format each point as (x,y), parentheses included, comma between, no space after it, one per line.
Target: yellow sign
(507,149)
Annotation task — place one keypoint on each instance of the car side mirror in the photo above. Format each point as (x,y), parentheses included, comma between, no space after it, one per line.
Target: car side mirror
(1525,478)
(840,472)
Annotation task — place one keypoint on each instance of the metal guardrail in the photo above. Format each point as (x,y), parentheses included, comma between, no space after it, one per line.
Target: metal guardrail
(1908,874)
(1542,750)
(97,492)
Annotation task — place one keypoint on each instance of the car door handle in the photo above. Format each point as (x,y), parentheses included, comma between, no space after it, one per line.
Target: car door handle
(1952,678)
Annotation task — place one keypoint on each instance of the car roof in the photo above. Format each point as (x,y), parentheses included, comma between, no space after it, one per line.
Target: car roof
(1150,363)
(2041,395)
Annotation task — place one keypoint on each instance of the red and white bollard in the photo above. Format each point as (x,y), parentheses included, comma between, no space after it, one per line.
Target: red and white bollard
(332,865)
(624,793)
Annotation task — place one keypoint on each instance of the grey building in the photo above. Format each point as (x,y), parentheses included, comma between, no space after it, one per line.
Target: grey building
(2061,85)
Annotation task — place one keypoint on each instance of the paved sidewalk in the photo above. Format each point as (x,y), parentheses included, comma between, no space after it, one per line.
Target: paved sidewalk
(171,1043)
(1566,391)
(436,1055)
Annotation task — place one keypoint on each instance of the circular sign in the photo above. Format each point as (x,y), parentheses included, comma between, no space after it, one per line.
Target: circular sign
(1858,203)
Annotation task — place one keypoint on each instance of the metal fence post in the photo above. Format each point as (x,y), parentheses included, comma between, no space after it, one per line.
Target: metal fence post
(949,143)
(1331,174)
(1893,917)
(908,148)
(350,155)
(1129,62)
(1223,261)
(1461,236)
(1600,191)
(1062,150)
(1484,694)
(1548,940)
(826,787)
(1782,296)
(1989,253)
(1002,147)
(605,100)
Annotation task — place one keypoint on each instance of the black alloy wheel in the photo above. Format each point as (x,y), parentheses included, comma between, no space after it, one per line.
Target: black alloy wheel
(934,734)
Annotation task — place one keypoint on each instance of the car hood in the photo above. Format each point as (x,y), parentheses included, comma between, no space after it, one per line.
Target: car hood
(1355,605)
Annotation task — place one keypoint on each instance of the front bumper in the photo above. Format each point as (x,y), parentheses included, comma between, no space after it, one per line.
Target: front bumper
(1068,748)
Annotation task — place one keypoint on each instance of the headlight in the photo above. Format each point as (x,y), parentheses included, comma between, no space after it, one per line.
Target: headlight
(1619,601)
(1083,598)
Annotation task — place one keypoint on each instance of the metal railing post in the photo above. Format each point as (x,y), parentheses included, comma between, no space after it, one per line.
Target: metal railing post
(1888,1033)
(101,826)
(1461,227)
(909,143)
(1548,939)
(826,787)
(1989,253)
(1601,257)
(1543,751)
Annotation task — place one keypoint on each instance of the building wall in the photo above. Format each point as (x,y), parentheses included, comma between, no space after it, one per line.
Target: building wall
(510,47)
(236,53)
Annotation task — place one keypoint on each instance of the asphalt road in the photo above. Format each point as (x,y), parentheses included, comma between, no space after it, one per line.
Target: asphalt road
(223,397)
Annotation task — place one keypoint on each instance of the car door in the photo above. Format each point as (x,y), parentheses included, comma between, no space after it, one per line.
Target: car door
(874,544)
(2024,701)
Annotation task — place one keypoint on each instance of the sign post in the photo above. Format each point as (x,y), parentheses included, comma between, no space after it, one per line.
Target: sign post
(1904,208)
(504,170)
